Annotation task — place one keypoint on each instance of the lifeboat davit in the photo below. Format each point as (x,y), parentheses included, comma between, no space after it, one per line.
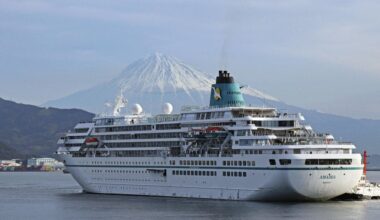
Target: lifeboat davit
(91,142)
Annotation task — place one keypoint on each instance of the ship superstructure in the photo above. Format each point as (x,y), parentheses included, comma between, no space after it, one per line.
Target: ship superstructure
(228,150)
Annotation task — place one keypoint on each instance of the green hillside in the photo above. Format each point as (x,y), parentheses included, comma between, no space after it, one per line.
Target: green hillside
(33,131)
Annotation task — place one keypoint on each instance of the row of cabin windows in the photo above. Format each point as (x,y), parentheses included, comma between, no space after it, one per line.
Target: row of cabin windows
(126,171)
(328,161)
(252,142)
(124,128)
(137,153)
(81,130)
(238,163)
(119,171)
(193,173)
(168,126)
(197,162)
(129,153)
(144,144)
(273,123)
(234,174)
(205,115)
(128,163)
(272,162)
(264,151)
(294,151)
(140,136)
(205,124)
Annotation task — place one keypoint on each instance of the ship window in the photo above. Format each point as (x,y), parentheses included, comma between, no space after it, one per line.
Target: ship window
(188,173)
(235,163)
(272,162)
(208,115)
(297,151)
(285,161)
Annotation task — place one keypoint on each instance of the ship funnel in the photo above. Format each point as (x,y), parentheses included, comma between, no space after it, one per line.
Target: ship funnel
(225,92)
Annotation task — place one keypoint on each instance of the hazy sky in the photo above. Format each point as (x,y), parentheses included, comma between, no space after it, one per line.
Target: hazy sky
(322,55)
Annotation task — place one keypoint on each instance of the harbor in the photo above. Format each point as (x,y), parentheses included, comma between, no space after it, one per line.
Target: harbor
(32,164)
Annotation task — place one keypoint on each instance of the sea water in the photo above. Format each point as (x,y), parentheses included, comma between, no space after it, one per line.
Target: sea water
(39,195)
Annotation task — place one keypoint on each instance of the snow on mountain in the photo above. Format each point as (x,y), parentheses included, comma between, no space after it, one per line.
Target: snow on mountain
(161,73)
(151,81)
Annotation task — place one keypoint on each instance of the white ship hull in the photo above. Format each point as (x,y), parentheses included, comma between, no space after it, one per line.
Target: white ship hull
(145,176)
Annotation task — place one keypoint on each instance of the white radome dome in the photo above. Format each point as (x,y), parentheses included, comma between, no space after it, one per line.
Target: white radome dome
(137,109)
(167,108)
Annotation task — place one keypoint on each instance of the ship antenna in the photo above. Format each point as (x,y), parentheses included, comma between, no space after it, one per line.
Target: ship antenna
(120,102)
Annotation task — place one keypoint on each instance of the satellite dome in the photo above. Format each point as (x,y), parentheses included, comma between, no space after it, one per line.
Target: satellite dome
(137,109)
(167,108)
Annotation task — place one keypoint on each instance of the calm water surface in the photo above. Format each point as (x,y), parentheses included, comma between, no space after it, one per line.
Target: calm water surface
(58,196)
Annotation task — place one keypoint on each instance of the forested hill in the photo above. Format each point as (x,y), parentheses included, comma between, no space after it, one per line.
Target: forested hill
(27,130)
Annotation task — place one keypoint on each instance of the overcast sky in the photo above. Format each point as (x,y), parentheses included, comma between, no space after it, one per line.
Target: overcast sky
(322,55)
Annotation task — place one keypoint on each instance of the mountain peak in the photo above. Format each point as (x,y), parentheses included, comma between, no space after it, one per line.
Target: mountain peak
(160,56)
(162,73)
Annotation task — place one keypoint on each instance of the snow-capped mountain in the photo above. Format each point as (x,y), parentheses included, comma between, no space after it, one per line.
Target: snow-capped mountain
(151,81)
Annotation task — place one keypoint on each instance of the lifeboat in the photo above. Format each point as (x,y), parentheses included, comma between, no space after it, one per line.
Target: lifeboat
(91,142)
(213,129)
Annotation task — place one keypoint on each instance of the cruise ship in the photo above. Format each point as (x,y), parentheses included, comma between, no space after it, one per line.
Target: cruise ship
(228,150)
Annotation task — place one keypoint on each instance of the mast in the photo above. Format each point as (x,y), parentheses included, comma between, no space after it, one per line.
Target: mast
(365,163)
